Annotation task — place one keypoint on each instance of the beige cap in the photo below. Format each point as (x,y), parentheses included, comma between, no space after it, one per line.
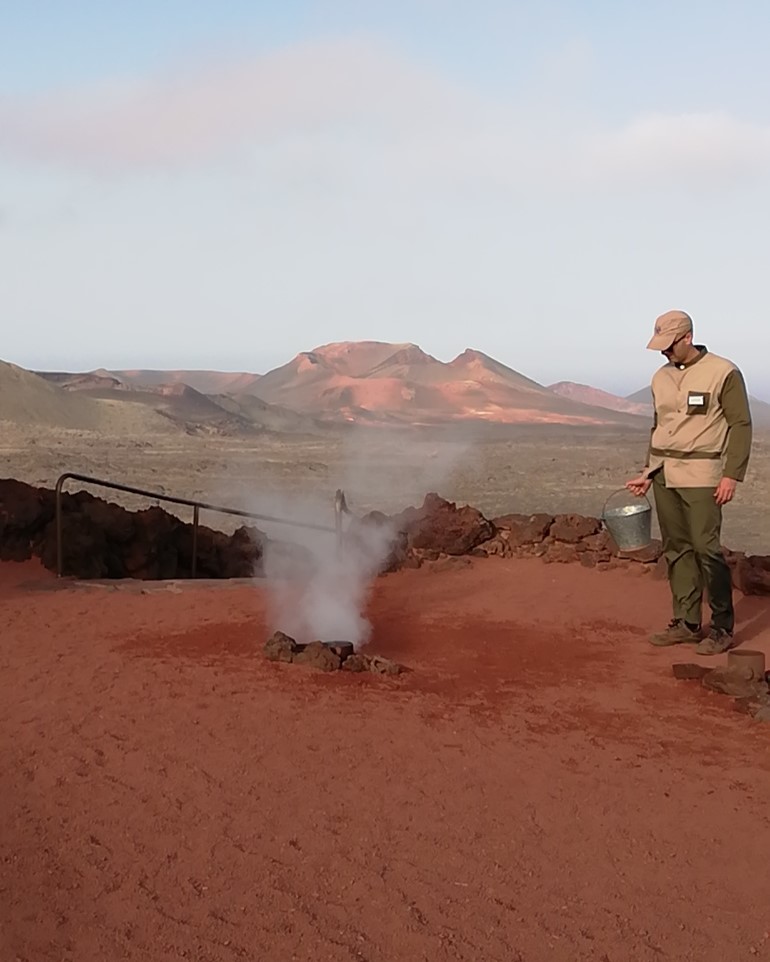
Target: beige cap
(668,327)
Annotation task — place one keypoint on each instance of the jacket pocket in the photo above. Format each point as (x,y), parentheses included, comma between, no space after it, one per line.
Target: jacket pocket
(698,402)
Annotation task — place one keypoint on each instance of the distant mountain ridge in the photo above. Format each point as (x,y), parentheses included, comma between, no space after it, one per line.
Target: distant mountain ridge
(81,399)
(371,381)
(592,395)
(206,382)
(376,383)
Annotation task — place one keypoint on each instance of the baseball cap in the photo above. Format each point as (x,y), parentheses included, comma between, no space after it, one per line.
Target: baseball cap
(668,327)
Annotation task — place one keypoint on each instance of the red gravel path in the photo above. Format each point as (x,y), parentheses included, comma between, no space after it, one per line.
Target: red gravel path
(539,788)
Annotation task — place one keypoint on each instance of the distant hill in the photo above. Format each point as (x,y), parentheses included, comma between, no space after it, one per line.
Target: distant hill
(182,405)
(603,399)
(268,417)
(193,412)
(760,410)
(90,381)
(374,381)
(206,382)
(27,399)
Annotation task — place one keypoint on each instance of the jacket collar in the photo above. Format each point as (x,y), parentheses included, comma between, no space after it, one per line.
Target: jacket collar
(702,352)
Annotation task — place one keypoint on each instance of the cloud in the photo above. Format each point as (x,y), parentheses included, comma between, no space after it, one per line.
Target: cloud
(187,116)
(660,147)
(356,110)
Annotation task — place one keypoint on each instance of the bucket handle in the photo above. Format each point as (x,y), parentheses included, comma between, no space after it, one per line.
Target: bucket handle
(604,507)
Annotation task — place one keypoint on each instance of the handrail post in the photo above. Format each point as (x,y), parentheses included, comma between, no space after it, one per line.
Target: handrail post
(59,551)
(194,563)
(340,505)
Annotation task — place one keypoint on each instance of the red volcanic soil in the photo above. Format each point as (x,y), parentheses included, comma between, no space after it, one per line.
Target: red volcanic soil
(538,787)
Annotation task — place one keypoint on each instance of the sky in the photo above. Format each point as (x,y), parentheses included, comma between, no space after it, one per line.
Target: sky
(222,185)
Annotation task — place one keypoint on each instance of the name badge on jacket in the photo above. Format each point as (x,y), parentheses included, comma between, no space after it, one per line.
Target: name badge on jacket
(698,402)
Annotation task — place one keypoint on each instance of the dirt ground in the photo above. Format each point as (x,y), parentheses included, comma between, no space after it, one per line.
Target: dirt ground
(531,469)
(537,787)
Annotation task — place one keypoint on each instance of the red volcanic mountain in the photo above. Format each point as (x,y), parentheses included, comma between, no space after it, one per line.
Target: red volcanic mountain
(369,382)
(602,399)
(376,381)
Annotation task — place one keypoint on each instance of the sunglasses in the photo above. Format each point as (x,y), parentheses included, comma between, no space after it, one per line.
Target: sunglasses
(673,344)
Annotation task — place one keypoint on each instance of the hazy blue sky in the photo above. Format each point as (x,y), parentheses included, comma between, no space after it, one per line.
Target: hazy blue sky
(224,184)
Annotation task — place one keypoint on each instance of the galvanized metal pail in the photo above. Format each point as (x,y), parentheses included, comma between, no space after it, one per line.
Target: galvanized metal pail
(630,525)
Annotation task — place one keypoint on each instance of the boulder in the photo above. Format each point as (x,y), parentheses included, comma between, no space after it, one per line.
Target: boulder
(317,655)
(524,528)
(688,671)
(495,547)
(383,666)
(752,575)
(379,535)
(25,512)
(561,553)
(356,663)
(84,548)
(601,544)
(571,528)
(280,647)
(440,525)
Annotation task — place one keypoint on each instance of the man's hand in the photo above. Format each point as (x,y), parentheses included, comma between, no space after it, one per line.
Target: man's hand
(639,486)
(725,491)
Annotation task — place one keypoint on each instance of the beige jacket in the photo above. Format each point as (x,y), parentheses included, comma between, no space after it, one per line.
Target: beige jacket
(702,423)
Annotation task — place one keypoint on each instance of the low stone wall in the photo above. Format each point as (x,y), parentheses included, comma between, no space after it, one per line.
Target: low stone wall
(439,529)
(104,540)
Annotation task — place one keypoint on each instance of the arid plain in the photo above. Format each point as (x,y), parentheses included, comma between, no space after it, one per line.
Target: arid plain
(534,468)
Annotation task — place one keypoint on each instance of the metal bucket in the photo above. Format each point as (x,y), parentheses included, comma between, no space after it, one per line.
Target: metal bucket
(630,525)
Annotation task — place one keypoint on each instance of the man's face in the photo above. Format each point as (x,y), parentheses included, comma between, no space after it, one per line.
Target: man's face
(679,349)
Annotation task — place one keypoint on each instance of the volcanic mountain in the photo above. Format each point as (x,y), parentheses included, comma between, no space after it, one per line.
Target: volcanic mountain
(366,382)
(602,399)
(374,381)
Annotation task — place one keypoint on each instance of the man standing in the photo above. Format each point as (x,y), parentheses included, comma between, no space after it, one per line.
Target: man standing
(699,451)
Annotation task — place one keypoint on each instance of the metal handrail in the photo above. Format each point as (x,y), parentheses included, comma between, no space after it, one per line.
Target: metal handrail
(190,503)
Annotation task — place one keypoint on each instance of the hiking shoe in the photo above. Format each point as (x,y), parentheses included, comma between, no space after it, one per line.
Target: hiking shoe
(677,633)
(718,641)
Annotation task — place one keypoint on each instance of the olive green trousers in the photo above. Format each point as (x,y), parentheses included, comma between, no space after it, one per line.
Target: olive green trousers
(691,528)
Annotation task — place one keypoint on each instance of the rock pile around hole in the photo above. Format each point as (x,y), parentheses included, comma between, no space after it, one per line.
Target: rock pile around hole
(327,656)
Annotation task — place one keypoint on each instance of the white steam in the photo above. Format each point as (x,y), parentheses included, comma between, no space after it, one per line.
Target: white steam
(315,590)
